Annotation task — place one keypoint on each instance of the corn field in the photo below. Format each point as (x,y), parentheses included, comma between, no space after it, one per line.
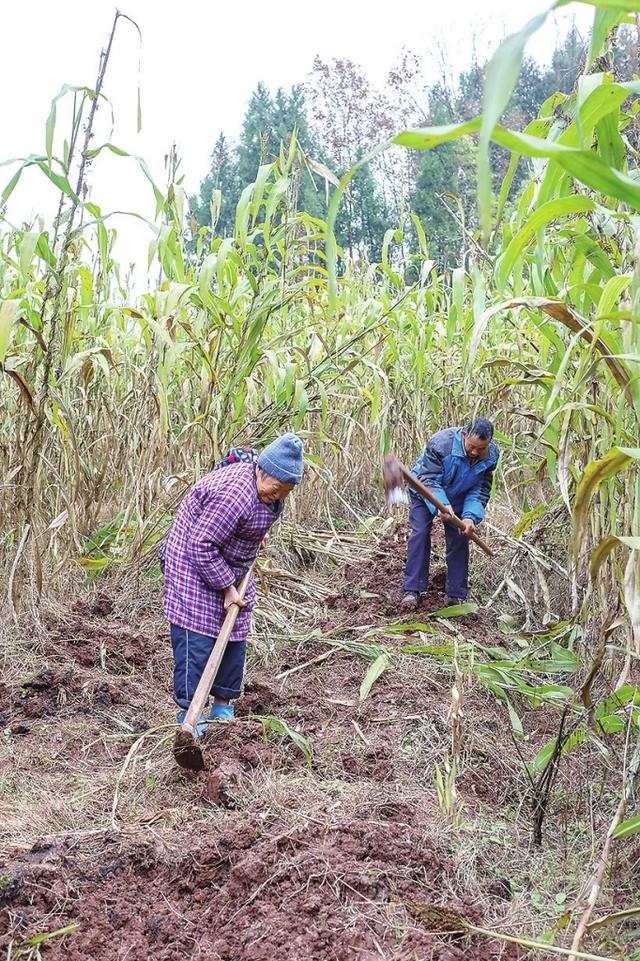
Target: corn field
(114,402)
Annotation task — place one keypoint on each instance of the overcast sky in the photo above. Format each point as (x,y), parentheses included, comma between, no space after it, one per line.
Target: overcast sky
(200,60)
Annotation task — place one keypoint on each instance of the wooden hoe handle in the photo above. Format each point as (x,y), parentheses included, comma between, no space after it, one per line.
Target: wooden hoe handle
(192,716)
(425,492)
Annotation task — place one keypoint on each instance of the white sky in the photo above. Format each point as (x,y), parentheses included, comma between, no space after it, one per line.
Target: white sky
(200,62)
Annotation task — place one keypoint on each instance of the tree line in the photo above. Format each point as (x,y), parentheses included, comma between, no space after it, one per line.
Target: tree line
(338,116)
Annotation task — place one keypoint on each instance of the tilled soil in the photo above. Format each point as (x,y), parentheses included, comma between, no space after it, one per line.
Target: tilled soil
(316,836)
(345,891)
(56,693)
(372,591)
(90,642)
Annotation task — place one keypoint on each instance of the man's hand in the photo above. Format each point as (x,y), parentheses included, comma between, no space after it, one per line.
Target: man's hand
(447,514)
(264,541)
(231,596)
(468,527)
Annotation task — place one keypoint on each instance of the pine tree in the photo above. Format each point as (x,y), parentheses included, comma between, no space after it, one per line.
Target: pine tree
(258,142)
(347,116)
(363,218)
(449,168)
(223,177)
(289,116)
(566,63)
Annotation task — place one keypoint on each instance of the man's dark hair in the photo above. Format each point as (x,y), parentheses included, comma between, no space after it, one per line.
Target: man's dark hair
(479,427)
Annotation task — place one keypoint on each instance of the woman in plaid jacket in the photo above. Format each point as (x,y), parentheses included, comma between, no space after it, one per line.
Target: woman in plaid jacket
(213,541)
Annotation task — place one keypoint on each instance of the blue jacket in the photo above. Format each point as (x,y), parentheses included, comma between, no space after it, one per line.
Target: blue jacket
(446,470)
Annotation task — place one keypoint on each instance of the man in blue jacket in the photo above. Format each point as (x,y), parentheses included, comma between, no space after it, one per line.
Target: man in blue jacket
(457,466)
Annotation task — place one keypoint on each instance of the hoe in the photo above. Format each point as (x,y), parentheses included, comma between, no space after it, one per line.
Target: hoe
(186,749)
(395,475)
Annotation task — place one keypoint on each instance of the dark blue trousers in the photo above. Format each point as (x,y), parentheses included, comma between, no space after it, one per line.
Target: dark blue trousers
(416,574)
(191,652)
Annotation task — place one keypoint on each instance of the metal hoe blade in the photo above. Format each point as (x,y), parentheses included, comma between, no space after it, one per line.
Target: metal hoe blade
(394,489)
(186,751)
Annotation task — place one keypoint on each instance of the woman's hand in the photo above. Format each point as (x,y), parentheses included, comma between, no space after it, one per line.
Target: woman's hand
(231,597)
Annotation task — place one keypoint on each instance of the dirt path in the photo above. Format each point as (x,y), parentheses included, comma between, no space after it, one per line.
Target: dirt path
(316,836)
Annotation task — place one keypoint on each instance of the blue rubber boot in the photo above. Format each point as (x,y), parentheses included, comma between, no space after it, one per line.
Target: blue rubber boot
(224,712)
(200,727)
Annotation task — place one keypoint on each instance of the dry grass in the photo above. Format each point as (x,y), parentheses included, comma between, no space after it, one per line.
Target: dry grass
(100,777)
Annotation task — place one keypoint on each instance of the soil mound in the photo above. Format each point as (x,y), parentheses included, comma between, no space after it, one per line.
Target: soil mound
(372,591)
(369,887)
(90,642)
(374,586)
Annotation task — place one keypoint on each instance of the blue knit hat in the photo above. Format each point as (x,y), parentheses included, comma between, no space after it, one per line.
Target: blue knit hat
(283,459)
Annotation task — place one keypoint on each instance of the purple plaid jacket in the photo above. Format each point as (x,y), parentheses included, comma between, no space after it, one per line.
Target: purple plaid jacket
(214,538)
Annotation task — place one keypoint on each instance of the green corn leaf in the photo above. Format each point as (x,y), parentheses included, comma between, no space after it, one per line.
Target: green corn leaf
(611,293)
(585,165)
(257,195)
(60,181)
(542,758)
(8,311)
(527,519)
(565,314)
(242,213)
(551,211)
(595,474)
(627,828)
(425,138)
(501,76)
(8,190)
(608,544)
(27,250)
(613,918)
(611,724)
(516,723)
(625,6)
(455,610)
(50,125)
(379,665)
(49,131)
(598,99)
(276,195)
(611,146)
(94,564)
(627,694)
(505,188)
(279,726)
(47,935)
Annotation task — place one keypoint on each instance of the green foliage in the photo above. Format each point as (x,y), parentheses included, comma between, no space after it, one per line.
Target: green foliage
(268,122)
(29,949)
(276,725)
(456,610)
(219,191)
(379,665)
(339,121)
(445,784)
(627,828)
(607,718)
(249,333)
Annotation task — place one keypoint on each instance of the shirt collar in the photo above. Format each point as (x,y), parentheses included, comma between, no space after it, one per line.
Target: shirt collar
(458,448)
